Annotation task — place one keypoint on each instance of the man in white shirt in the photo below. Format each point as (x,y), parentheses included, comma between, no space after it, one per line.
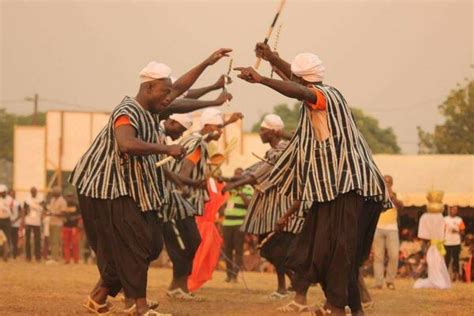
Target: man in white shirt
(56,207)
(452,240)
(5,223)
(16,222)
(34,212)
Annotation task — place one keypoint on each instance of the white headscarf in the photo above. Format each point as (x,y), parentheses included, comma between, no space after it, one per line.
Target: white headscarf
(309,67)
(154,70)
(186,120)
(273,122)
(3,188)
(211,116)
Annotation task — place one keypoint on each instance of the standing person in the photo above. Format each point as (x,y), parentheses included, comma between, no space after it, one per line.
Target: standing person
(431,229)
(386,240)
(452,240)
(34,206)
(181,236)
(234,216)
(121,191)
(328,163)
(56,207)
(71,233)
(6,205)
(267,205)
(16,222)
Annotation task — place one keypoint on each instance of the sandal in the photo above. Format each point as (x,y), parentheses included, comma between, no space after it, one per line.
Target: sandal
(181,295)
(277,296)
(94,307)
(293,307)
(322,312)
(132,311)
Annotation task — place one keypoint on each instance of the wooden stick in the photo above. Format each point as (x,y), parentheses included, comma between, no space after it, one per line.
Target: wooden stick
(270,30)
(225,79)
(275,44)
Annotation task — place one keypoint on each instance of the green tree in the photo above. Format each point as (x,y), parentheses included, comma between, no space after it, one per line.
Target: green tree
(456,134)
(380,140)
(7,123)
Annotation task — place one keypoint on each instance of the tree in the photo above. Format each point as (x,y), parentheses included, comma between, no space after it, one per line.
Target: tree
(380,140)
(7,123)
(456,134)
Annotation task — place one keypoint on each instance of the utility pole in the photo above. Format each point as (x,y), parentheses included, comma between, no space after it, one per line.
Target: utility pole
(34,99)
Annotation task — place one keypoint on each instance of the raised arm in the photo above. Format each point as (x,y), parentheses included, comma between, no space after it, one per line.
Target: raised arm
(199,92)
(187,105)
(188,79)
(287,88)
(281,66)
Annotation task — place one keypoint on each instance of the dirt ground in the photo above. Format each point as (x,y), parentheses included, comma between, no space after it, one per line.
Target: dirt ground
(40,289)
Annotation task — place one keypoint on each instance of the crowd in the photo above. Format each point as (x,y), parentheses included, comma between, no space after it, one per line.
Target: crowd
(44,228)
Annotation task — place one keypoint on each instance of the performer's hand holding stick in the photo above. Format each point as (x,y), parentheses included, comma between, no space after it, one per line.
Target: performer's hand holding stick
(270,30)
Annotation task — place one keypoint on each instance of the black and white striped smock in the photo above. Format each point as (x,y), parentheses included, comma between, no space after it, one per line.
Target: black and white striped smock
(104,173)
(267,207)
(198,196)
(177,207)
(313,170)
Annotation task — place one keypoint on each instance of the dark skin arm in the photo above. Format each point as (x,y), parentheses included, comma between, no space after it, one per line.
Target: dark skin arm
(199,92)
(283,221)
(287,88)
(281,67)
(240,182)
(126,137)
(188,79)
(187,105)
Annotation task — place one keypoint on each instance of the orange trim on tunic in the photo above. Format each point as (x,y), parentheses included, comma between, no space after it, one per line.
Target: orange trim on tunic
(320,104)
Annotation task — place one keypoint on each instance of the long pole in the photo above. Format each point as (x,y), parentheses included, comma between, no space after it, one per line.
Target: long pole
(270,30)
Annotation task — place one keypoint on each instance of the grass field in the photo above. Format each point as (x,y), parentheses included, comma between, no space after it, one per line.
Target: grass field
(40,289)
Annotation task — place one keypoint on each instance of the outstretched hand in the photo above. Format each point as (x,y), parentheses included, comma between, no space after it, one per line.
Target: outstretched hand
(217,55)
(222,81)
(235,117)
(224,97)
(263,51)
(249,74)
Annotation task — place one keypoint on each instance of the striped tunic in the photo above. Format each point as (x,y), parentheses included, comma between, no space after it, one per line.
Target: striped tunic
(103,172)
(198,196)
(313,170)
(267,206)
(177,207)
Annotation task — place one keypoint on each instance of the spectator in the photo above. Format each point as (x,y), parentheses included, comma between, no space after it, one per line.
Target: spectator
(56,208)
(452,240)
(16,223)
(34,210)
(6,204)
(234,215)
(386,240)
(71,233)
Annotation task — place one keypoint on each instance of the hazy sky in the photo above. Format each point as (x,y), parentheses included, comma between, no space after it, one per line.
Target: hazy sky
(397,60)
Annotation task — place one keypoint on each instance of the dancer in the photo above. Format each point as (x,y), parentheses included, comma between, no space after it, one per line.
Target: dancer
(120,189)
(328,163)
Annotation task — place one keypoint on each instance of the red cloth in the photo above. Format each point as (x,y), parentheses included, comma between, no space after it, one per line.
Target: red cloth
(208,253)
(71,239)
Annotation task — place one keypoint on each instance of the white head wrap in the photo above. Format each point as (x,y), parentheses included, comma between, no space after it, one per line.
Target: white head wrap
(153,71)
(273,122)
(186,120)
(211,116)
(3,188)
(309,67)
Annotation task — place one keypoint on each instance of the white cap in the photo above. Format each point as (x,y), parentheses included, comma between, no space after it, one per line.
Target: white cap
(309,67)
(273,122)
(154,70)
(3,188)
(211,116)
(186,120)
